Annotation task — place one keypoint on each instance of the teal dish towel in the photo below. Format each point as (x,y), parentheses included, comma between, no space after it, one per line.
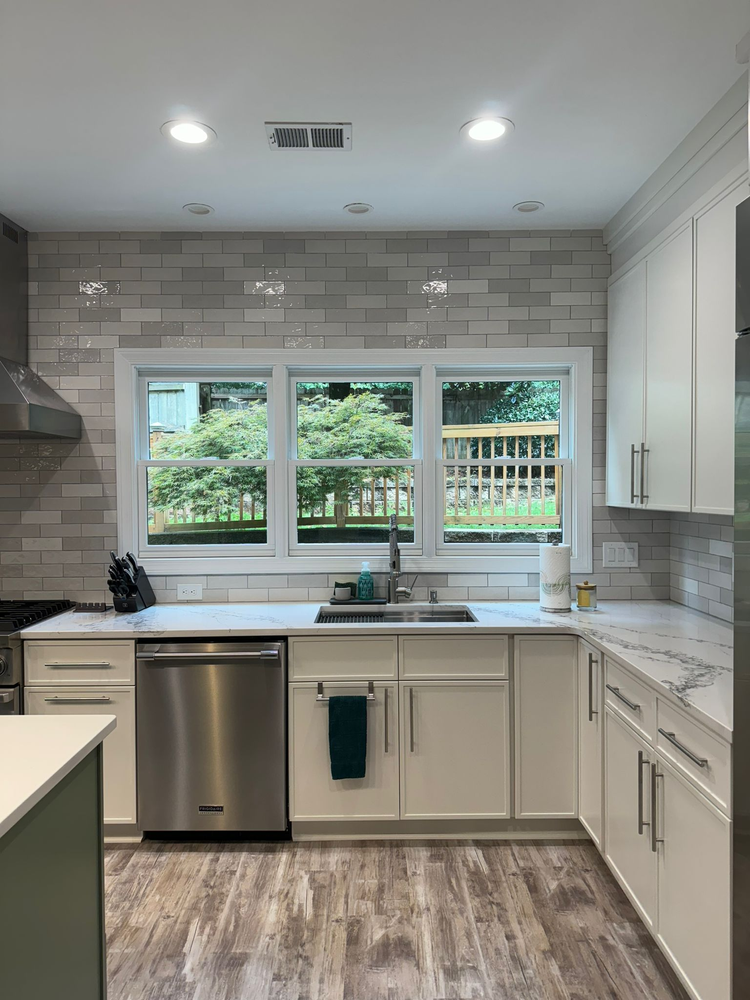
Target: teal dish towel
(347,736)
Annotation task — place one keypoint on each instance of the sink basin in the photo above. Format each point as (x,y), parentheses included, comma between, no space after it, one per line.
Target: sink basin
(331,614)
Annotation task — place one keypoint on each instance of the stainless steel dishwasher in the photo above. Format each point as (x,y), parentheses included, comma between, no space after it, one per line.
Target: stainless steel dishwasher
(211,728)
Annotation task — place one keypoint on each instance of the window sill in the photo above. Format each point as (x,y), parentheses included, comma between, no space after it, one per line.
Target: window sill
(227,565)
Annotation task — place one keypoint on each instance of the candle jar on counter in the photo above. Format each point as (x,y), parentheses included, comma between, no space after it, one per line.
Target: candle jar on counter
(586,596)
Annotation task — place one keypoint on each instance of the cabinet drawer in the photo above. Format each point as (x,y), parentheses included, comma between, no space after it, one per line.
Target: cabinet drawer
(59,662)
(700,756)
(119,746)
(631,700)
(458,656)
(347,658)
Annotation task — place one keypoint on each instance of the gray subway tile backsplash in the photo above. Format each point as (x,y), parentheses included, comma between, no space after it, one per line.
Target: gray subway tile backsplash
(92,292)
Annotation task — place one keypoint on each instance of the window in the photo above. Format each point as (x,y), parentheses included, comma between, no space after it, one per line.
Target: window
(204,473)
(501,466)
(280,465)
(354,462)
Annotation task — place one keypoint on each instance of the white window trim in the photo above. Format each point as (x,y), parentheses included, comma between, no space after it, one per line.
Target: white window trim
(430,365)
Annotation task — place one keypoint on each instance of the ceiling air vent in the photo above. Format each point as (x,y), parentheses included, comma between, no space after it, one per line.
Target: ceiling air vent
(309,135)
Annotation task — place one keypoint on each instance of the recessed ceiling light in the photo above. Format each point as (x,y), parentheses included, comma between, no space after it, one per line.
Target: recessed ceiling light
(358,208)
(192,133)
(486,129)
(525,207)
(196,208)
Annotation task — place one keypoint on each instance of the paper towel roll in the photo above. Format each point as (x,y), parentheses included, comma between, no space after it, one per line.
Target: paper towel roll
(554,577)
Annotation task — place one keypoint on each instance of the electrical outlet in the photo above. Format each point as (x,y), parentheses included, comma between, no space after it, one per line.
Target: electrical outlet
(619,555)
(189,591)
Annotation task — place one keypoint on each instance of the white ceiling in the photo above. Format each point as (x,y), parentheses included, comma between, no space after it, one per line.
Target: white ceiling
(601,91)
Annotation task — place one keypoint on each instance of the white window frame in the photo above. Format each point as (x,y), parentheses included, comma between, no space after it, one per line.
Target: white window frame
(430,368)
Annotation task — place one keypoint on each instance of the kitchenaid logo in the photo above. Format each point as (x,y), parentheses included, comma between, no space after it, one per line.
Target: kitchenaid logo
(210,809)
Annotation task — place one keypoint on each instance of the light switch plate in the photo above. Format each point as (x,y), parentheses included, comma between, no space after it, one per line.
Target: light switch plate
(619,555)
(189,591)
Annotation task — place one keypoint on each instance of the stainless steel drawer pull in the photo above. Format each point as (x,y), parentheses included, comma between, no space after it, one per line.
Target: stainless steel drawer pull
(644,452)
(642,759)
(618,694)
(261,654)
(592,710)
(699,761)
(76,666)
(6,697)
(655,840)
(320,698)
(411,720)
(57,700)
(385,720)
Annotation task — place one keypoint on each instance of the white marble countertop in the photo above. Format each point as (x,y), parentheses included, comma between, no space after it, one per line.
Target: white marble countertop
(686,653)
(38,752)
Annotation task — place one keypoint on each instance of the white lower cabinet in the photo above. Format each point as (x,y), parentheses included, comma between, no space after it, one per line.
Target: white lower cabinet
(628,815)
(693,885)
(119,746)
(314,795)
(590,742)
(546,715)
(455,742)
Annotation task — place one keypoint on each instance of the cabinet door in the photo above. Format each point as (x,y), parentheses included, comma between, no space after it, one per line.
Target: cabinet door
(694,885)
(119,746)
(713,409)
(455,750)
(314,795)
(669,374)
(546,704)
(627,787)
(590,741)
(625,371)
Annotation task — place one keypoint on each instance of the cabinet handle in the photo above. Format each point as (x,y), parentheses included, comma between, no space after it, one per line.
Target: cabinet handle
(57,700)
(655,841)
(633,494)
(642,759)
(644,452)
(618,694)
(385,719)
(592,710)
(699,761)
(411,720)
(75,666)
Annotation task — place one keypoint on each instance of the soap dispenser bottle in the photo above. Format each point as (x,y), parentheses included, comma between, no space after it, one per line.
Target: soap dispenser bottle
(365,584)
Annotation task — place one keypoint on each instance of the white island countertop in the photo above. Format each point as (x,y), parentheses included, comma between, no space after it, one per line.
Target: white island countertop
(686,653)
(39,751)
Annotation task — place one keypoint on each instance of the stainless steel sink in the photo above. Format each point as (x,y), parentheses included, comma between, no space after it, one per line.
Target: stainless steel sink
(332,614)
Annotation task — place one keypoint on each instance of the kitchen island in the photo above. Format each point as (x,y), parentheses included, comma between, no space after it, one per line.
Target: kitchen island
(51,872)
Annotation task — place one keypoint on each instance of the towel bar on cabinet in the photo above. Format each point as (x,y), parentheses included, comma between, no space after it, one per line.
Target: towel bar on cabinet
(370,692)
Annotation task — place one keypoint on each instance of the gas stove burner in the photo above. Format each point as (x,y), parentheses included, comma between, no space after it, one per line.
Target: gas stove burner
(15,615)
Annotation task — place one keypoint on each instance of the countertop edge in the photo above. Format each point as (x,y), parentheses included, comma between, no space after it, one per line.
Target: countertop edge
(106,723)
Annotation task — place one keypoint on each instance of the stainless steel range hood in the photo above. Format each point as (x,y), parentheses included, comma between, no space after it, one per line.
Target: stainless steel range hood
(29,408)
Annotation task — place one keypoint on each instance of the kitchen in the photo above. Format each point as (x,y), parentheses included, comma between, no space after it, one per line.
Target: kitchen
(498,416)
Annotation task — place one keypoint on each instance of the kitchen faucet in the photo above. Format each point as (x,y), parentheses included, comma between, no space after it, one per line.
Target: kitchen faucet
(395,574)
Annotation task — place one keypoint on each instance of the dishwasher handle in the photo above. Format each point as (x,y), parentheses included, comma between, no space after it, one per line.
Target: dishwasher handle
(260,654)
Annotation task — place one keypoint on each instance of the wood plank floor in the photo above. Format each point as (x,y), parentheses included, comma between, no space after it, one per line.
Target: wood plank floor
(375,921)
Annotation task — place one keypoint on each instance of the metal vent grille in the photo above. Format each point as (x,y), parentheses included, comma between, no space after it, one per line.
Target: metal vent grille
(309,135)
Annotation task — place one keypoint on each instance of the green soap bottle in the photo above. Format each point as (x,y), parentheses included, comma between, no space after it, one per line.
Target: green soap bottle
(365,584)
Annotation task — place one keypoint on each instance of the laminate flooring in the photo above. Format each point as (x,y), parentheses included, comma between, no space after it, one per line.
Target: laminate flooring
(406,920)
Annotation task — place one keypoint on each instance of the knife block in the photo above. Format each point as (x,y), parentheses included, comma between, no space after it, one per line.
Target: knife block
(141,595)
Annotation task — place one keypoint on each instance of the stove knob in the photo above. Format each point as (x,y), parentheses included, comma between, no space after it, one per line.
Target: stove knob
(4,668)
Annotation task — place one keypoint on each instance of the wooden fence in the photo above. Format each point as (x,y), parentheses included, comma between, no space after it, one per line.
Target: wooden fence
(526,493)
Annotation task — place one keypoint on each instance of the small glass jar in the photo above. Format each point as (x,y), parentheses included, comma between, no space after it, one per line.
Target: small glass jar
(586,596)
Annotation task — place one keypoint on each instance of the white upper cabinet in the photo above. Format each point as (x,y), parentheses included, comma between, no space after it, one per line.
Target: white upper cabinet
(713,409)
(625,357)
(670,372)
(665,467)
